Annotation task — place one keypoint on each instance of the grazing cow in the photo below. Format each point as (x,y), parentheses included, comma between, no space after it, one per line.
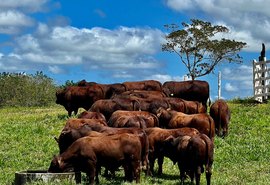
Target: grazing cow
(141,94)
(89,154)
(77,128)
(191,153)
(108,106)
(221,114)
(75,97)
(193,90)
(156,136)
(149,85)
(92,115)
(173,119)
(142,119)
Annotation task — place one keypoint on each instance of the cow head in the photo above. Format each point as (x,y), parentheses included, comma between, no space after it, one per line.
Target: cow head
(58,165)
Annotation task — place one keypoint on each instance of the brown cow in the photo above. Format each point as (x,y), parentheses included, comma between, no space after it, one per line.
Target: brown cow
(108,106)
(77,128)
(108,89)
(185,106)
(194,90)
(88,154)
(122,117)
(156,136)
(221,114)
(75,97)
(92,115)
(191,154)
(149,85)
(173,119)
(141,94)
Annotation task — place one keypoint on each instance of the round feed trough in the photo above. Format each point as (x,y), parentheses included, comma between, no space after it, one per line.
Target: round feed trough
(24,177)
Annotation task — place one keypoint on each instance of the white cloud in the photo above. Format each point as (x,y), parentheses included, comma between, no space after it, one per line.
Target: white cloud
(129,50)
(230,88)
(248,19)
(56,70)
(29,5)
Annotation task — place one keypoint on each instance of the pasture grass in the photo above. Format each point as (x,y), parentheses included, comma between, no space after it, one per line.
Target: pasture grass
(242,158)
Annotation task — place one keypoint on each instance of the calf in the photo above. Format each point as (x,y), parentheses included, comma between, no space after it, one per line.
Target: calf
(88,154)
(156,136)
(221,114)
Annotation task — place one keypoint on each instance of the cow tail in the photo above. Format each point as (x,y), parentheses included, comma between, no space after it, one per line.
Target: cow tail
(219,119)
(209,153)
(211,134)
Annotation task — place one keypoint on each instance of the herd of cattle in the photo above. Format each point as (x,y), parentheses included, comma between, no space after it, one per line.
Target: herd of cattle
(132,124)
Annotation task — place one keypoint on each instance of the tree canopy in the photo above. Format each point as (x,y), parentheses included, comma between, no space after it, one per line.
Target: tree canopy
(199,47)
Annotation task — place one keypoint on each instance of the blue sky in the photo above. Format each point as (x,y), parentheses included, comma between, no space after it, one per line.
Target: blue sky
(115,41)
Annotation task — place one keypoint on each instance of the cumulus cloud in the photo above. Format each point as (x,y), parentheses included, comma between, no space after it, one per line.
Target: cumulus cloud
(240,16)
(129,50)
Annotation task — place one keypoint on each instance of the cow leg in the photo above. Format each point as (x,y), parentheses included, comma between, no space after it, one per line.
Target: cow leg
(208,173)
(198,175)
(151,164)
(182,173)
(136,169)
(160,163)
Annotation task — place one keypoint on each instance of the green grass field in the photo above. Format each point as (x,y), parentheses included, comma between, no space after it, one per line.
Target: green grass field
(243,158)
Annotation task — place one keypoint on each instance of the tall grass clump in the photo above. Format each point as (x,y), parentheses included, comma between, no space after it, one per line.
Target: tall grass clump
(17,89)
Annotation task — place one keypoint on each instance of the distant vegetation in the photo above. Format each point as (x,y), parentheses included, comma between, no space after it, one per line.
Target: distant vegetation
(19,89)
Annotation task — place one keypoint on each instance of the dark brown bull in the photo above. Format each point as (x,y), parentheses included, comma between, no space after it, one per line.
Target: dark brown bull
(156,150)
(194,90)
(221,114)
(108,106)
(191,153)
(173,119)
(92,115)
(149,85)
(141,119)
(88,154)
(75,97)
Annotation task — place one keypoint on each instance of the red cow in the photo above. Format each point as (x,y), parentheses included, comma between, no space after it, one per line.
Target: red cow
(173,119)
(121,118)
(108,106)
(221,114)
(156,136)
(191,153)
(88,154)
(141,94)
(92,115)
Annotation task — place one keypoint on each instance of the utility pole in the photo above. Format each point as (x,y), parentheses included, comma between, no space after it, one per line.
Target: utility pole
(219,85)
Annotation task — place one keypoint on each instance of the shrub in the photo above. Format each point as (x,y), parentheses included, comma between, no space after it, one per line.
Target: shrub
(19,89)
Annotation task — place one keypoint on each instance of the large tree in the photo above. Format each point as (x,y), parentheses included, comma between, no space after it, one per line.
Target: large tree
(200,46)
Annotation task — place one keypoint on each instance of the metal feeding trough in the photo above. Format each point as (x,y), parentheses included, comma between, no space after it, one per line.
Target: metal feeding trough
(24,177)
